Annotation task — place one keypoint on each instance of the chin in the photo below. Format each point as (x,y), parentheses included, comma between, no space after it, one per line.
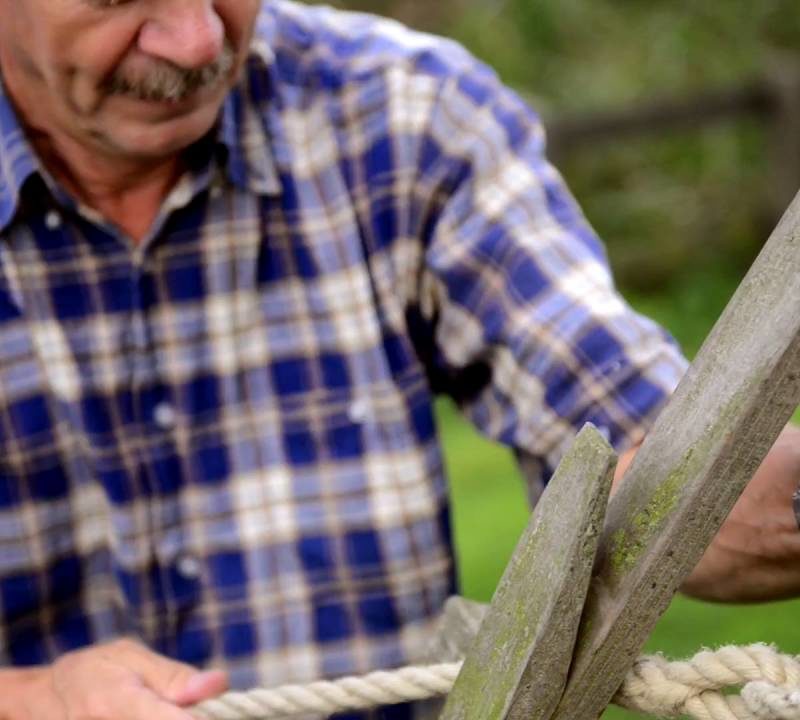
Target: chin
(160,130)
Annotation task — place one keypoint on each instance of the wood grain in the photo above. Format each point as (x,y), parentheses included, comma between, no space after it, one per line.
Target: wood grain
(518,664)
(735,399)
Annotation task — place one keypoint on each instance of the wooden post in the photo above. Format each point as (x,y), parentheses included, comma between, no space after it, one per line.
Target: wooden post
(741,390)
(456,631)
(783,81)
(518,665)
(657,116)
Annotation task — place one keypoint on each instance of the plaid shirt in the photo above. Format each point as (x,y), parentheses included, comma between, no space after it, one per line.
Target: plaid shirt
(222,440)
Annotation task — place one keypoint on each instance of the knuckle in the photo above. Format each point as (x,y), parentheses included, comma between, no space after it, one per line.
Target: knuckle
(67,665)
(176,677)
(97,707)
(123,645)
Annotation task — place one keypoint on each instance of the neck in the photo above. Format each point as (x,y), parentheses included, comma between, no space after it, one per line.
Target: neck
(128,193)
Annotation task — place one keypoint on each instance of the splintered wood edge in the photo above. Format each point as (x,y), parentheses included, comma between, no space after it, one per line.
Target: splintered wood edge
(737,396)
(518,663)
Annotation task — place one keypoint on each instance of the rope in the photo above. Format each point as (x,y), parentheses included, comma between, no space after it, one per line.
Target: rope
(696,687)
(329,697)
(771,689)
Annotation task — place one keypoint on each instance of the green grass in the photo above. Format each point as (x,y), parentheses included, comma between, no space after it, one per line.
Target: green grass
(699,198)
(490,513)
(490,507)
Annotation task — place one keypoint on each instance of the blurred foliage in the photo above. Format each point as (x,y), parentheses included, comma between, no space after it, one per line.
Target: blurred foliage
(682,213)
(682,202)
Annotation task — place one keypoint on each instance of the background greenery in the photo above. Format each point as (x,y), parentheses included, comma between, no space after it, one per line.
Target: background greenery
(683,214)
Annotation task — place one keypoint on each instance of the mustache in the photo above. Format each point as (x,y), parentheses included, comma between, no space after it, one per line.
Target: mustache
(167,82)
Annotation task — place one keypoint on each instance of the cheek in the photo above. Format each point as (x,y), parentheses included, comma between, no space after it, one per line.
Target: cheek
(99,53)
(85,67)
(239,17)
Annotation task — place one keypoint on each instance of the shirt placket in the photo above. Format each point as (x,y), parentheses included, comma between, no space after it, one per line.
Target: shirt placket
(175,573)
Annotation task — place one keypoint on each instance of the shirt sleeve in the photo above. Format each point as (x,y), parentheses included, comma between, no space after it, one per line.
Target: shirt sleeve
(530,335)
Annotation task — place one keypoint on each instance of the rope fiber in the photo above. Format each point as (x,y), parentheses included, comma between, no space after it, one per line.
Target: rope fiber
(698,688)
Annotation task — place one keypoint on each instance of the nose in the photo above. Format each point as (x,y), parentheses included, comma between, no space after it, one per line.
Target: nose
(187,33)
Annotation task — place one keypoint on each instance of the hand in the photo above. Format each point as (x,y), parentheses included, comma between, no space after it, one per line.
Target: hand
(122,680)
(756,554)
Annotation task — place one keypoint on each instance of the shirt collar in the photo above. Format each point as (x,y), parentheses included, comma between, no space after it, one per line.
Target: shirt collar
(17,159)
(244,128)
(243,133)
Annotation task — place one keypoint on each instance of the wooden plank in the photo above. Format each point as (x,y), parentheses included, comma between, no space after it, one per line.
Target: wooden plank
(655,116)
(456,630)
(727,412)
(519,662)
(783,79)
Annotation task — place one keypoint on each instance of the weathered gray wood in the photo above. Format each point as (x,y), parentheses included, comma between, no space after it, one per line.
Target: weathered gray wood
(518,665)
(456,630)
(727,412)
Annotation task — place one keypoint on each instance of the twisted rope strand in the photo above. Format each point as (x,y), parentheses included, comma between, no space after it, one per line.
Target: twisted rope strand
(768,701)
(329,697)
(695,687)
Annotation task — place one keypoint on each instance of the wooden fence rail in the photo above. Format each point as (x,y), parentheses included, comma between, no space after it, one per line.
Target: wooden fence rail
(738,394)
(756,99)
(773,99)
(532,653)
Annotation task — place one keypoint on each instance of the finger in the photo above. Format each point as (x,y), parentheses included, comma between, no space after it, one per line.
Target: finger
(201,686)
(140,703)
(167,678)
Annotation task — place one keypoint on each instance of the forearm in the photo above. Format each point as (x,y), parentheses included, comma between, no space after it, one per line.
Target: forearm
(736,574)
(756,554)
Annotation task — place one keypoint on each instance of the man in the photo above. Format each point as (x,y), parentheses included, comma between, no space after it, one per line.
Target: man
(241,247)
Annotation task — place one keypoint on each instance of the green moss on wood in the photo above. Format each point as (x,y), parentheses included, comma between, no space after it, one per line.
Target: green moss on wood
(627,544)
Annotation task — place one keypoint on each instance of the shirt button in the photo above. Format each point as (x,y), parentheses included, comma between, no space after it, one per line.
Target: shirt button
(189,567)
(215,192)
(52,220)
(165,416)
(358,412)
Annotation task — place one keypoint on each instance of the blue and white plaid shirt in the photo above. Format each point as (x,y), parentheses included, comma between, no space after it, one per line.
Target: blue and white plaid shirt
(222,440)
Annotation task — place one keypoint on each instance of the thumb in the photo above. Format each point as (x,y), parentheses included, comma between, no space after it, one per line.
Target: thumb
(197,687)
(173,681)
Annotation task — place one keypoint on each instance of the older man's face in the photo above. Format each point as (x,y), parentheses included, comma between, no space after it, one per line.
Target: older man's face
(124,77)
